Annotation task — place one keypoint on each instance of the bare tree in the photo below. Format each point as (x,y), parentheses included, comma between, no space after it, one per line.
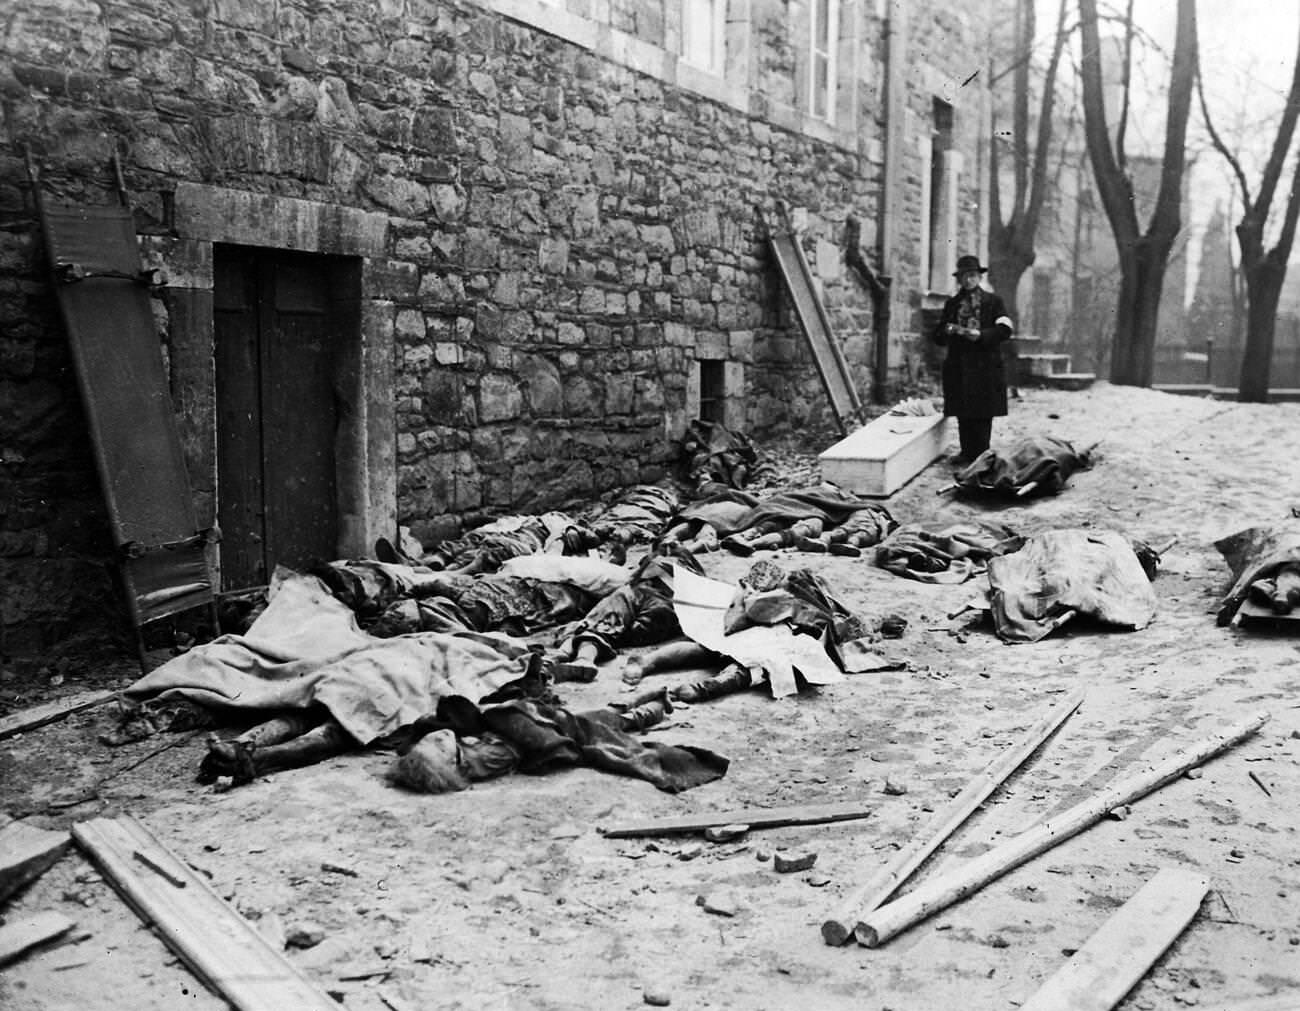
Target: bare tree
(1011,240)
(1143,256)
(1264,269)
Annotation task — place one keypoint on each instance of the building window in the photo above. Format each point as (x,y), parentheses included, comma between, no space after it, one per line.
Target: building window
(821,65)
(704,34)
(713,391)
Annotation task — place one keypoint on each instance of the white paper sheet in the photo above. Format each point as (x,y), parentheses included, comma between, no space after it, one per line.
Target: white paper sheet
(701,605)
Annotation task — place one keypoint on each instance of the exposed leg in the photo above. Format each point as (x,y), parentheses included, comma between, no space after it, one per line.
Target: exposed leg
(647,711)
(733,678)
(283,742)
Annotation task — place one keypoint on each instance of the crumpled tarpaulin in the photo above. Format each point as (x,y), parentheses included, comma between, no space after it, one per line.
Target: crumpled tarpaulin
(1038,465)
(1060,575)
(307,649)
(949,553)
(1255,555)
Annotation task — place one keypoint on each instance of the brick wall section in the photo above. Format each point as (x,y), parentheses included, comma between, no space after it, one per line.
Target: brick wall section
(573,231)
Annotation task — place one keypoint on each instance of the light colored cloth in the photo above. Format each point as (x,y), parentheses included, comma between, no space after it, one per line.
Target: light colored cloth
(1060,575)
(306,648)
(595,575)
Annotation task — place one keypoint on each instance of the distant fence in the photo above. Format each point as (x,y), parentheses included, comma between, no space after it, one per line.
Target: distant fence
(1221,367)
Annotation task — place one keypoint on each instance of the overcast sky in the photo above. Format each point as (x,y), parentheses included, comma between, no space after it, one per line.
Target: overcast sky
(1248,52)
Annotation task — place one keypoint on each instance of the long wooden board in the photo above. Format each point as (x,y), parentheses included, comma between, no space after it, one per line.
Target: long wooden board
(883,923)
(841,924)
(23,935)
(27,852)
(1111,962)
(38,716)
(218,945)
(1254,617)
(836,378)
(757,817)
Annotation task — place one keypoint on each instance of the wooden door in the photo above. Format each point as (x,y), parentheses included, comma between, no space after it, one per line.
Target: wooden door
(278,349)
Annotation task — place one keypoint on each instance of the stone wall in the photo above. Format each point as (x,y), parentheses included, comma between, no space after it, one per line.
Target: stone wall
(565,237)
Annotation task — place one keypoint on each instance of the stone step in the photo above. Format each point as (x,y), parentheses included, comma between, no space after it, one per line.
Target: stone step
(1069,380)
(1043,364)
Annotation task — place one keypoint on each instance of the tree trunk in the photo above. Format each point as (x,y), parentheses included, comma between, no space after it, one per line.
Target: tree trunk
(1264,283)
(1143,257)
(1006,267)
(1142,277)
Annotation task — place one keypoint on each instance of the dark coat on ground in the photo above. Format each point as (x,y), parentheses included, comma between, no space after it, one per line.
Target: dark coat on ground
(974,376)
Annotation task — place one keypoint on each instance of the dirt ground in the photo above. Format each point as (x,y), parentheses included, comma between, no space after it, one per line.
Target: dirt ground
(506,897)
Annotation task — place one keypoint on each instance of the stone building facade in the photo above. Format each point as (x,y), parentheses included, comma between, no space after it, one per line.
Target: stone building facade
(543,221)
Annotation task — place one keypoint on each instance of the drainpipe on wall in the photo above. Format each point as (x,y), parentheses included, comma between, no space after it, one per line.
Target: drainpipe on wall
(881,288)
(891,191)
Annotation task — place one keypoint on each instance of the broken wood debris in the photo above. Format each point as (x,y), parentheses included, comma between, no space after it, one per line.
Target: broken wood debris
(38,716)
(27,852)
(772,817)
(840,926)
(1117,956)
(219,946)
(16,938)
(889,920)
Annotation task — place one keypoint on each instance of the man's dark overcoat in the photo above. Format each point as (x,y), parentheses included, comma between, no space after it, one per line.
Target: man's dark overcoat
(974,376)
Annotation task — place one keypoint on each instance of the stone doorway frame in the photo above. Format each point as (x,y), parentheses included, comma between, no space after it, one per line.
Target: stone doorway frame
(366,456)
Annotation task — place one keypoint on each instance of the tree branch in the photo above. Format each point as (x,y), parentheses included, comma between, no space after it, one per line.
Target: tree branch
(1218,143)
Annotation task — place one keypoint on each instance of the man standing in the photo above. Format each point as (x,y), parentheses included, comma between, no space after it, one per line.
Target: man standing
(972,327)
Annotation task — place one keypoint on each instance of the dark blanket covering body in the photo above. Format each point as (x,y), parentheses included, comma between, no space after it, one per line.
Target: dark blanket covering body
(827,503)
(944,553)
(1041,463)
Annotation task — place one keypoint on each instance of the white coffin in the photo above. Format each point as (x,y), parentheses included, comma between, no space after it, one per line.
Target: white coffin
(883,455)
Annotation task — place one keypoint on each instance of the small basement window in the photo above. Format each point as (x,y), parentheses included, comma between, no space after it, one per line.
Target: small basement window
(713,390)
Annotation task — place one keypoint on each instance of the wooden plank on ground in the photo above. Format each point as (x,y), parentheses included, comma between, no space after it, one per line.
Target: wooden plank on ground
(1257,617)
(1117,956)
(758,817)
(1274,1002)
(842,923)
(25,934)
(883,923)
(38,716)
(27,852)
(219,946)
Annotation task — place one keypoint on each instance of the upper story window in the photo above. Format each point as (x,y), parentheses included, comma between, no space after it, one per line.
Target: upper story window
(821,65)
(704,25)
